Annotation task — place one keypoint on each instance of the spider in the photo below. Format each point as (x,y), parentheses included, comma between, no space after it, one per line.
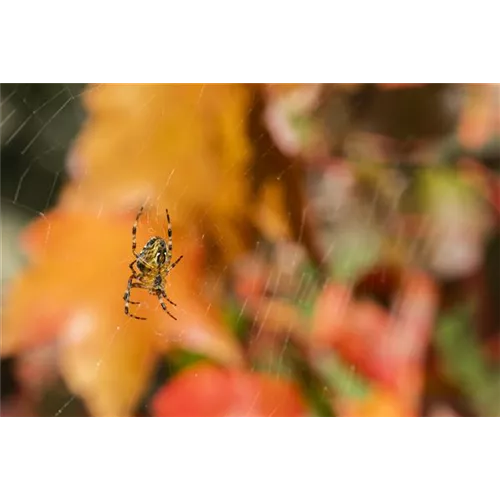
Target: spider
(153,264)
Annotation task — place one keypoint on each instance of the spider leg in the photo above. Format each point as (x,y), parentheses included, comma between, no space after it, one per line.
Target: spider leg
(171,266)
(134,275)
(134,231)
(164,295)
(169,232)
(160,296)
(126,297)
(136,317)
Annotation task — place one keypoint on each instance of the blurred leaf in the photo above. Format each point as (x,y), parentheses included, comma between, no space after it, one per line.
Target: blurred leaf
(342,377)
(177,146)
(464,364)
(312,384)
(307,307)
(180,359)
(309,278)
(207,391)
(236,320)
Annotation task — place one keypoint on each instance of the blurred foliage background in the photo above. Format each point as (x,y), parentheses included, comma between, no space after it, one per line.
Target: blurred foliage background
(32,172)
(341,249)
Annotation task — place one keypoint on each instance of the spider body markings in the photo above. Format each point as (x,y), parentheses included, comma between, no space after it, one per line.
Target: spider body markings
(153,265)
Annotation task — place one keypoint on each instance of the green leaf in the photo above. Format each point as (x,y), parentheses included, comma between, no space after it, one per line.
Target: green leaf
(310,289)
(463,362)
(235,318)
(180,359)
(312,385)
(341,377)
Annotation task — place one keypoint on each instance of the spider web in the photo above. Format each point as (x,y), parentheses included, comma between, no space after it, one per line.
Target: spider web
(38,126)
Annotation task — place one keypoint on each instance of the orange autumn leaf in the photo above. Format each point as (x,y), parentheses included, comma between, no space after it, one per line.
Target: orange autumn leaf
(74,293)
(106,362)
(208,391)
(203,150)
(182,146)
